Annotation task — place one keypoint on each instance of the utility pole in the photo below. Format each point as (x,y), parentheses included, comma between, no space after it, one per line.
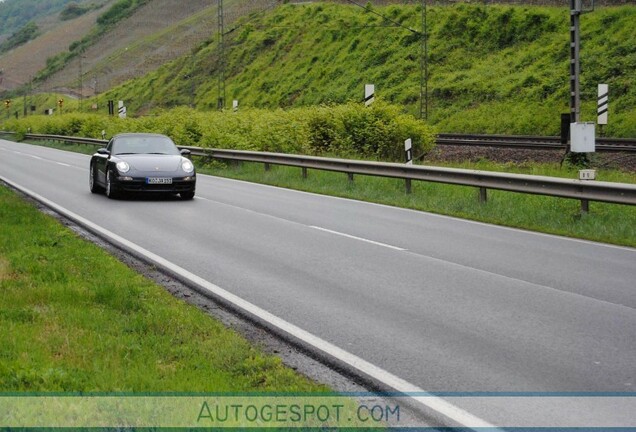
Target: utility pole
(575,65)
(221,32)
(81,83)
(95,83)
(424,65)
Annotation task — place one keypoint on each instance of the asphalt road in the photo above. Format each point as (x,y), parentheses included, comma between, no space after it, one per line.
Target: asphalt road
(446,304)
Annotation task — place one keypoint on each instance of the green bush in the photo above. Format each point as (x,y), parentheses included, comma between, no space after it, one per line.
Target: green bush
(73,10)
(22,36)
(350,130)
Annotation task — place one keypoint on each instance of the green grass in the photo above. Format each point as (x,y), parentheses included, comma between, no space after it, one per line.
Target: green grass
(608,223)
(544,169)
(73,318)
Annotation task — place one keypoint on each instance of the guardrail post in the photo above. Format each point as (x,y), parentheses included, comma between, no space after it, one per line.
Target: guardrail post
(350,175)
(407,184)
(483,195)
(304,172)
(585,206)
(267,167)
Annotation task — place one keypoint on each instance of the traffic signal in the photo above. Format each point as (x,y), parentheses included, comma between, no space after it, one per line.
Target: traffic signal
(7,103)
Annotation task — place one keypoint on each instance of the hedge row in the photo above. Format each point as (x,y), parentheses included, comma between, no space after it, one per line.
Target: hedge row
(349,130)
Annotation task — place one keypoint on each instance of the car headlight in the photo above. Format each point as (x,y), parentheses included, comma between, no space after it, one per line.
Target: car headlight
(123,167)
(187,166)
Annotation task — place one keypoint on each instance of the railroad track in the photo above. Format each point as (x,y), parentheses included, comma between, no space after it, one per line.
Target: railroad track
(624,145)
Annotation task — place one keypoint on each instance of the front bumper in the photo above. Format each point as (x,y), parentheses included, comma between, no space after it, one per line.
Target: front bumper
(139,184)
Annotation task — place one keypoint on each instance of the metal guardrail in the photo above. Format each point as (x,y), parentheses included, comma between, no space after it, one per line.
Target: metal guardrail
(529,142)
(584,190)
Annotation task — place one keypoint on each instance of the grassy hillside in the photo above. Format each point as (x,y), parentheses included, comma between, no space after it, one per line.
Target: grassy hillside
(145,38)
(493,69)
(24,62)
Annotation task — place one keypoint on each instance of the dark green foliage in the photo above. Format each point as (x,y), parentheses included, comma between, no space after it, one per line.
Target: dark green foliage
(15,14)
(22,36)
(119,10)
(73,10)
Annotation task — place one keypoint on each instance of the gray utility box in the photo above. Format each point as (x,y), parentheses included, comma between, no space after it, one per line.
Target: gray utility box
(582,137)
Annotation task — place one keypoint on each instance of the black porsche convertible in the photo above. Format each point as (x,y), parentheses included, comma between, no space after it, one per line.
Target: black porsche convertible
(141,162)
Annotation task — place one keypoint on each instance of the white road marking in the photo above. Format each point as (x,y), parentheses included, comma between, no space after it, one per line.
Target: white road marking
(43,159)
(428,213)
(463,418)
(423,256)
(301,224)
(358,238)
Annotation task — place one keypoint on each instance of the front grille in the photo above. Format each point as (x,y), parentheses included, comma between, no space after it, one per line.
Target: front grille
(140,185)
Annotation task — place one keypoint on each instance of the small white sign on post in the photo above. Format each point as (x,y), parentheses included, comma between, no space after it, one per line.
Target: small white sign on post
(369,94)
(408,151)
(603,102)
(587,174)
(122,110)
(582,138)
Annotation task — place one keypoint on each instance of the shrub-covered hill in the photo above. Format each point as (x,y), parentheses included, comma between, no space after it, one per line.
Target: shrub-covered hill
(492,69)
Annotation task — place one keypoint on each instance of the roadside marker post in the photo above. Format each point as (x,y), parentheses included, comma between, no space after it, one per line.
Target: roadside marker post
(408,151)
(122,110)
(408,155)
(235,105)
(369,94)
(602,106)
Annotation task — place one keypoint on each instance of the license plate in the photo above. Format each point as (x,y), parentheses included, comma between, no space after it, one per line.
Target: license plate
(158,180)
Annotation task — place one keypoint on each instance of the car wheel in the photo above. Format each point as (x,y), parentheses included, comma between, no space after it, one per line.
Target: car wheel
(92,184)
(187,195)
(110,187)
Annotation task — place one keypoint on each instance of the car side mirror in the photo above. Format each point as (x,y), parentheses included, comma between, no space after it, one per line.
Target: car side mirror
(103,151)
(185,152)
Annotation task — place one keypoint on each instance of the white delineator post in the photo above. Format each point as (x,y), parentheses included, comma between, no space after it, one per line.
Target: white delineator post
(603,102)
(408,155)
(235,105)
(369,94)
(408,151)
(122,110)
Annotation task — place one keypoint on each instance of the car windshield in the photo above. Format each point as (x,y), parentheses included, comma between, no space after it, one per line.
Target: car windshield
(144,145)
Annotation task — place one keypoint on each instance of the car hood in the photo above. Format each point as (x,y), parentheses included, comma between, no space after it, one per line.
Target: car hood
(153,163)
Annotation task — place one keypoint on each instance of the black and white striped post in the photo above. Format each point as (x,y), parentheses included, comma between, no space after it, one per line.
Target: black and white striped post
(235,105)
(122,110)
(369,94)
(602,105)
(408,151)
(408,156)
